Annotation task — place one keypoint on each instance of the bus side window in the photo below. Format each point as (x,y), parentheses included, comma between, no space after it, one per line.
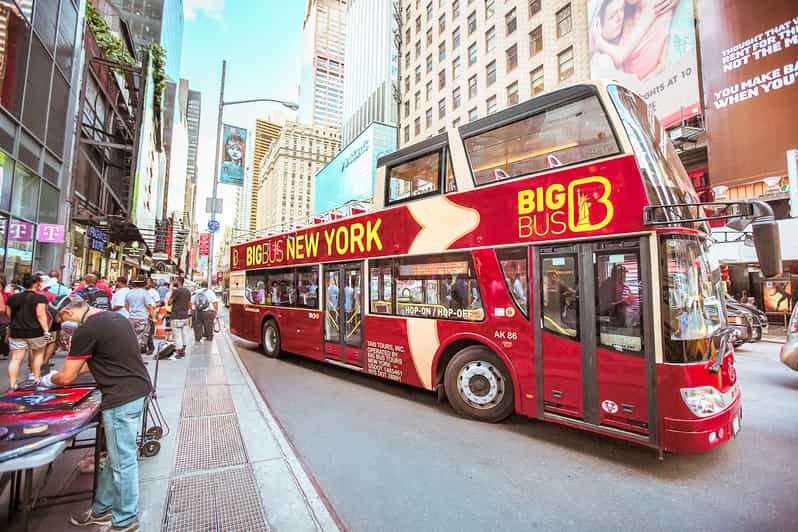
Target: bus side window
(418,177)
(560,296)
(255,290)
(307,288)
(381,288)
(280,288)
(451,183)
(513,262)
(618,298)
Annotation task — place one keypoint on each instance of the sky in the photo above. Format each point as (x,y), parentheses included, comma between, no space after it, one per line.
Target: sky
(261,41)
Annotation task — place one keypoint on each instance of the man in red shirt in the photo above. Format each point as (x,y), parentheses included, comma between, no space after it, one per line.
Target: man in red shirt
(102,284)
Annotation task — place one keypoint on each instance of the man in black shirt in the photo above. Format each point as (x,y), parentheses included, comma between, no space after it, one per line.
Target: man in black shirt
(29,328)
(106,345)
(180,300)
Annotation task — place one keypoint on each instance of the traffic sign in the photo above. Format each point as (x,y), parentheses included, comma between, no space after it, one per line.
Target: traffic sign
(213,225)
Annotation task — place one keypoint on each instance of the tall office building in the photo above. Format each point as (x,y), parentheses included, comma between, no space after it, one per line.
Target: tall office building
(266,133)
(371,66)
(285,181)
(461,60)
(193,118)
(321,89)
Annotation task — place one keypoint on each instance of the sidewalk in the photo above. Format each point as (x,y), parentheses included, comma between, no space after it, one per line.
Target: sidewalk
(225,464)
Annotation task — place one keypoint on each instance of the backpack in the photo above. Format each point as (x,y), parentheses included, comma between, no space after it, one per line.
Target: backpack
(201,301)
(98,298)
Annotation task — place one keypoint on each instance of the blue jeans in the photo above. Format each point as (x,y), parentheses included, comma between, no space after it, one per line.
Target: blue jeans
(118,485)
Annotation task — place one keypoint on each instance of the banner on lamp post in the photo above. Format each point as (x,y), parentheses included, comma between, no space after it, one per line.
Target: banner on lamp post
(234,149)
(204,244)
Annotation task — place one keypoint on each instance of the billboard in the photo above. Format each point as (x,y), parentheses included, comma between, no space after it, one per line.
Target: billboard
(234,151)
(350,175)
(648,46)
(749,61)
(777,295)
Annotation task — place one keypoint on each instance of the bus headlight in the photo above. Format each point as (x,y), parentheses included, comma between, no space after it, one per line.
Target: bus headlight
(703,401)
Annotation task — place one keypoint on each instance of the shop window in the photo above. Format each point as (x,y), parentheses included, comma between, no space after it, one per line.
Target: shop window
(6,180)
(513,262)
(65,46)
(37,88)
(618,302)
(19,249)
(280,290)
(381,288)
(48,204)
(568,134)
(13,56)
(44,22)
(438,287)
(415,178)
(25,195)
(308,286)
(560,296)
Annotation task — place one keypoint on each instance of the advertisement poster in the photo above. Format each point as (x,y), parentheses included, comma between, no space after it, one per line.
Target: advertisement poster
(648,46)
(234,150)
(777,296)
(749,61)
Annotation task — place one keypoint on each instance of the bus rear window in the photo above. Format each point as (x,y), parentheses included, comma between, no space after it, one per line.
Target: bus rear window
(569,134)
(415,178)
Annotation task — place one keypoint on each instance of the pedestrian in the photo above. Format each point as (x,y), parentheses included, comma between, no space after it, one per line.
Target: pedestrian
(56,287)
(205,307)
(180,301)
(94,295)
(105,345)
(141,310)
(4,319)
(163,288)
(118,301)
(28,329)
(102,284)
(156,298)
(76,286)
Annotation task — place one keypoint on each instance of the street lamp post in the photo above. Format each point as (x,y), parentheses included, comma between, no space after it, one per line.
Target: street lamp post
(219,148)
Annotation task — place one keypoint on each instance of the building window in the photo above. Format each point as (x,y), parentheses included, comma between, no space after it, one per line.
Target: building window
(534,7)
(472,22)
(565,63)
(536,80)
(416,100)
(564,21)
(490,8)
(510,22)
(456,98)
(536,41)
(418,25)
(472,114)
(407,109)
(442,79)
(442,51)
(456,67)
(428,118)
(407,83)
(455,9)
(472,86)
(456,38)
(407,37)
(418,73)
(472,54)
(429,11)
(442,24)
(490,39)
(512,93)
(407,133)
(442,108)
(429,37)
(407,60)
(490,103)
(428,91)
(490,72)
(418,49)
(417,126)
(429,63)
(512,57)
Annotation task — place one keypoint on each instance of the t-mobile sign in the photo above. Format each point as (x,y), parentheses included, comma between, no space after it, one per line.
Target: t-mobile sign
(50,233)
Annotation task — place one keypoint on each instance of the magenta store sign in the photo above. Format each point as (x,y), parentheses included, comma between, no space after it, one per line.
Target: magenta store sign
(20,231)
(50,233)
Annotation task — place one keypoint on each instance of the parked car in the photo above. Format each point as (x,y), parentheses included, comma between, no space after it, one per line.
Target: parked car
(740,323)
(789,351)
(759,318)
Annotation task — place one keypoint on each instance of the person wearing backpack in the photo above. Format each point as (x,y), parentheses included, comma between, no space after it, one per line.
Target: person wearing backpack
(94,296)
(205,306)
(141,311)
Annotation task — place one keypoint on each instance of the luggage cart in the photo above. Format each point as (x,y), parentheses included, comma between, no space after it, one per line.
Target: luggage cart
(153,422)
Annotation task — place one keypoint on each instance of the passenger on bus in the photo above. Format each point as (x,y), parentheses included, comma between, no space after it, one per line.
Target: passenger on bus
(615,296)
(259,295)
(519,291)
(275,293)
(459,293)
(332,294)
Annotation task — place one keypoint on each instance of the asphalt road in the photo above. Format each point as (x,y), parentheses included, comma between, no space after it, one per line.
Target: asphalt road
(388,457)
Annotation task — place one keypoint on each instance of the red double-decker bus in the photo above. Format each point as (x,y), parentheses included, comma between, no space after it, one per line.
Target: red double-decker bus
(551,260)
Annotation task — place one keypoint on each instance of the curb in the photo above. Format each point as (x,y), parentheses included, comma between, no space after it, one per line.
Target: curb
(320,508)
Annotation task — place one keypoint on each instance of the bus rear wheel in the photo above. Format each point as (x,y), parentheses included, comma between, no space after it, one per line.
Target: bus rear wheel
(271,339)
(478,385)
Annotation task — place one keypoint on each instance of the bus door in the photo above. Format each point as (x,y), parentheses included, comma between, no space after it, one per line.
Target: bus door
(592,316)
(343,313)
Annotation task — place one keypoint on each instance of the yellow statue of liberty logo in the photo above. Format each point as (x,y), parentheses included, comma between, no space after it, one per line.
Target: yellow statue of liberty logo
(583,209)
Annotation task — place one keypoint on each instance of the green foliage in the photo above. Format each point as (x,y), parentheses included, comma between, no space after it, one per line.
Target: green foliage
(158,58)
(110,44)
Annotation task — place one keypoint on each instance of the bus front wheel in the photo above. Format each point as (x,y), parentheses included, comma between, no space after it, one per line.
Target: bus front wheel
(271,339)
(478,385)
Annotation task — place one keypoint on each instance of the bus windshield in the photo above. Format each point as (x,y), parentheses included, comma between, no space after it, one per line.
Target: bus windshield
(664,177)
(694,309)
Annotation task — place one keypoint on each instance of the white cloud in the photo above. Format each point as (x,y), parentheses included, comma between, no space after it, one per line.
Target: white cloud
(210,8)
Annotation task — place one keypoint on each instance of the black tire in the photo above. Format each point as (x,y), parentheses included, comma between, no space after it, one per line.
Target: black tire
(271,344)
(154,433)
(478,385)
(150,448)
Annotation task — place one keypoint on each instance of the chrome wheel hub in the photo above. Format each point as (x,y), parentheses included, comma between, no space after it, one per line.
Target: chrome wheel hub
(270,339)
(480,384)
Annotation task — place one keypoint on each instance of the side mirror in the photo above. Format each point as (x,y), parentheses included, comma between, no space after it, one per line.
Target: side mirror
(768,246)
